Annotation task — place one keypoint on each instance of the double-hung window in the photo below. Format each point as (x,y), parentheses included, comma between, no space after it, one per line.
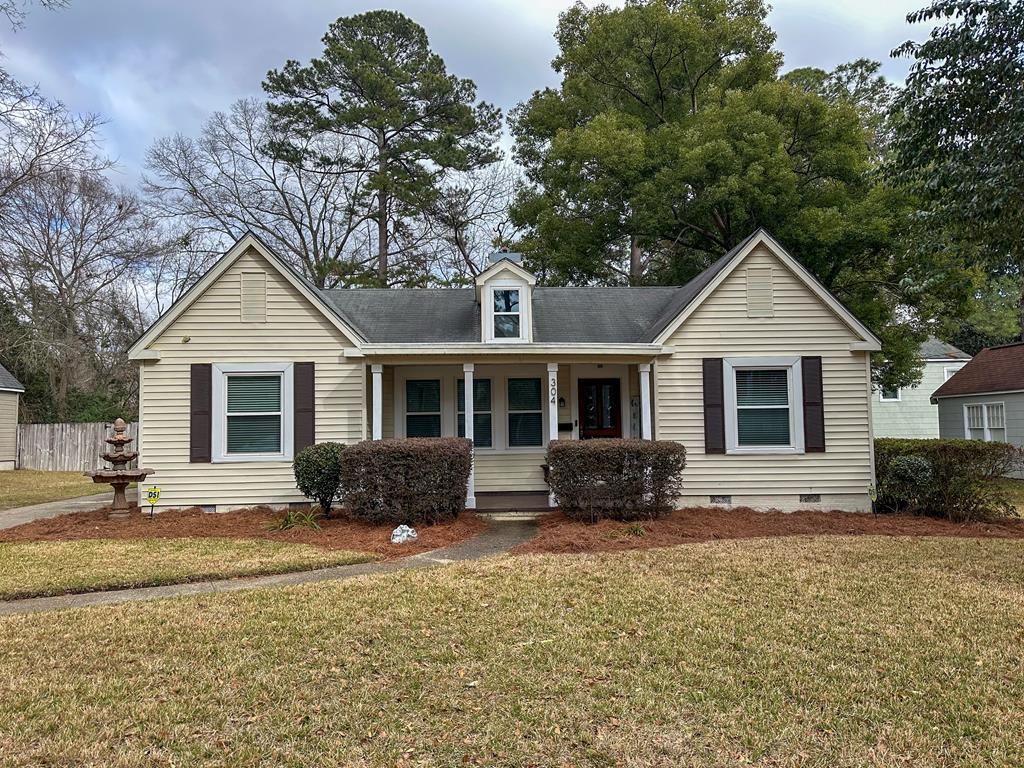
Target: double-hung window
(507,315)
(525,413)
(985,421)
(763,399)
(482,432)
(252,407)
(423,408)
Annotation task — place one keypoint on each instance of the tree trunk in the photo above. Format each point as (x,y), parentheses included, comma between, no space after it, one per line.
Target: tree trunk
(382,238)
(636,267)
(1020,309)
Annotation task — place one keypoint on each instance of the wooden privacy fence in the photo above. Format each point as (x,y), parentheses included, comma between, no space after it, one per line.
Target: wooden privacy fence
(66,447)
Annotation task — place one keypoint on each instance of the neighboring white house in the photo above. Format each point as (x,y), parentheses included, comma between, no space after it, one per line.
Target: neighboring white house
(909,411)
(756,368)
(10,391)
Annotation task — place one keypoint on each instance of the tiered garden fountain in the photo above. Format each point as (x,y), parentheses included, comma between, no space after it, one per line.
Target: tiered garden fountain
(119,475)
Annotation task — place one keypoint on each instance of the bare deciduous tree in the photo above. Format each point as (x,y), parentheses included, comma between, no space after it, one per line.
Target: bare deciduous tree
(72,243)
(39,137)
(225,182)
(469,219)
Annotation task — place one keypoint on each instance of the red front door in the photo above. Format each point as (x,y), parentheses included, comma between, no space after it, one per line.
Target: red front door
(600,408)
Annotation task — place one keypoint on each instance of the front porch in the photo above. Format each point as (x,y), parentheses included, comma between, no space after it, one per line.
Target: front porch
(517,406)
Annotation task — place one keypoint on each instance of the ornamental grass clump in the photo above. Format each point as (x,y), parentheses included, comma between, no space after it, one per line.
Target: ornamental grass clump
(411,481)
(616,479)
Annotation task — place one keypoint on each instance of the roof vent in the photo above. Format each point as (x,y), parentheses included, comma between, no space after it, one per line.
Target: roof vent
(494,258)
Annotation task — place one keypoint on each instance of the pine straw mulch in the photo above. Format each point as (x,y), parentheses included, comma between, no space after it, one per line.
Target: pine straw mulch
(334,533)
(560,534)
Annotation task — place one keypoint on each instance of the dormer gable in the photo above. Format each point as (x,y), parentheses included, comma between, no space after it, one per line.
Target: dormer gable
(505,293)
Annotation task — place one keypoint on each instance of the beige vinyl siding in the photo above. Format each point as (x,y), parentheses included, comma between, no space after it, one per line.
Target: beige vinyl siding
(801,325)
(507,471)
(8,426)
(295,331)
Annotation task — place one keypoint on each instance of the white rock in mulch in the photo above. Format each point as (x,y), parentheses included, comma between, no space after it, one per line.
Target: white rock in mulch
(403,534)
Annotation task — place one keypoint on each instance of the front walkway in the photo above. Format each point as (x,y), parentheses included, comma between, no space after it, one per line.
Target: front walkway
(498,538)
(20,515)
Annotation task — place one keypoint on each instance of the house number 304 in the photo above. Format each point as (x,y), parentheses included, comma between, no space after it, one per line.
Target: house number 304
(553,390)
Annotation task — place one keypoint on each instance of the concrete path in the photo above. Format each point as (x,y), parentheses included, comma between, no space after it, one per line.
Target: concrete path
(499,537)
(19,515)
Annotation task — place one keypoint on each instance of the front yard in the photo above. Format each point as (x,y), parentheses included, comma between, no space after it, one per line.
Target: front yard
(22,487)
(839,651)
(33,569)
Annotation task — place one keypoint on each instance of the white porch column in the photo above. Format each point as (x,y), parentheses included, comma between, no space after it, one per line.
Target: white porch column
(552,411)
(645,401)
(467,372)
(552,401)
(377,373)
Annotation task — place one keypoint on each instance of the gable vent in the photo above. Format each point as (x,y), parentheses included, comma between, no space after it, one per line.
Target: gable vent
(254,297)
(760,293)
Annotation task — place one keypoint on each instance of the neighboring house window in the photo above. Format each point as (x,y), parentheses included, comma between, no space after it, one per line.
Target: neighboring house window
(252,406)
(507,315)
(985,421)
(763,411)
(481,411)
(891,395)
(423,408)
(525,413)
(948,372)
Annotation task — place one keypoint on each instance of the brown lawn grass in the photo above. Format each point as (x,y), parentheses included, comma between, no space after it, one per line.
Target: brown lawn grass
(21,487)
(33,569)
(803,651)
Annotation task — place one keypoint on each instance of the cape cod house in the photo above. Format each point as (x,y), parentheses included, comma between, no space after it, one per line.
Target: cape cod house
(760,372)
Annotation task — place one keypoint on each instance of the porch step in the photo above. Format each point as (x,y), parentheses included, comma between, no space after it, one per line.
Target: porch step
(512,514)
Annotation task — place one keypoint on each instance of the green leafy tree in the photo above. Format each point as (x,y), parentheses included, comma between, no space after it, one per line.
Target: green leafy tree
(959,142)
(406,120)
(672,137)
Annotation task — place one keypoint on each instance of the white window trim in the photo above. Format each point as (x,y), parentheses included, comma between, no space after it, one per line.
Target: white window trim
(490,411)
(524,311)
(948,371)
(883,399)
(219,437)
(986,429)
(792,366)
(439,412)
(499,374)
(543,411)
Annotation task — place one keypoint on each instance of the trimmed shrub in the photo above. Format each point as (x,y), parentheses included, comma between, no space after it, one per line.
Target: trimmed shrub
(413,481)
(617,479)
(907,481)
(960,485)
(317,473)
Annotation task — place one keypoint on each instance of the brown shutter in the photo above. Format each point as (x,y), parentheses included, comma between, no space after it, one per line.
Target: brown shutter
(305,405)
(814,405)
(200,406)
(714,406)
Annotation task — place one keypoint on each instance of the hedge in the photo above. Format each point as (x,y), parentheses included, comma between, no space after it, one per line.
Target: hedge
(945,478)
(413,481)
(617,479)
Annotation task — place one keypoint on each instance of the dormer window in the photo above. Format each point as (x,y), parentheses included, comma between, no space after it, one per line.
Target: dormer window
(504,291)
(507,317)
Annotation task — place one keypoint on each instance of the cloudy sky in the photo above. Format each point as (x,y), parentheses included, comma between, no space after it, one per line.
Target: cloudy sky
(156,67)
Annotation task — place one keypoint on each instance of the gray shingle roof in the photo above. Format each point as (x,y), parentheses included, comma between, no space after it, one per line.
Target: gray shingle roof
(586,315)
(933,349)
(7,380)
